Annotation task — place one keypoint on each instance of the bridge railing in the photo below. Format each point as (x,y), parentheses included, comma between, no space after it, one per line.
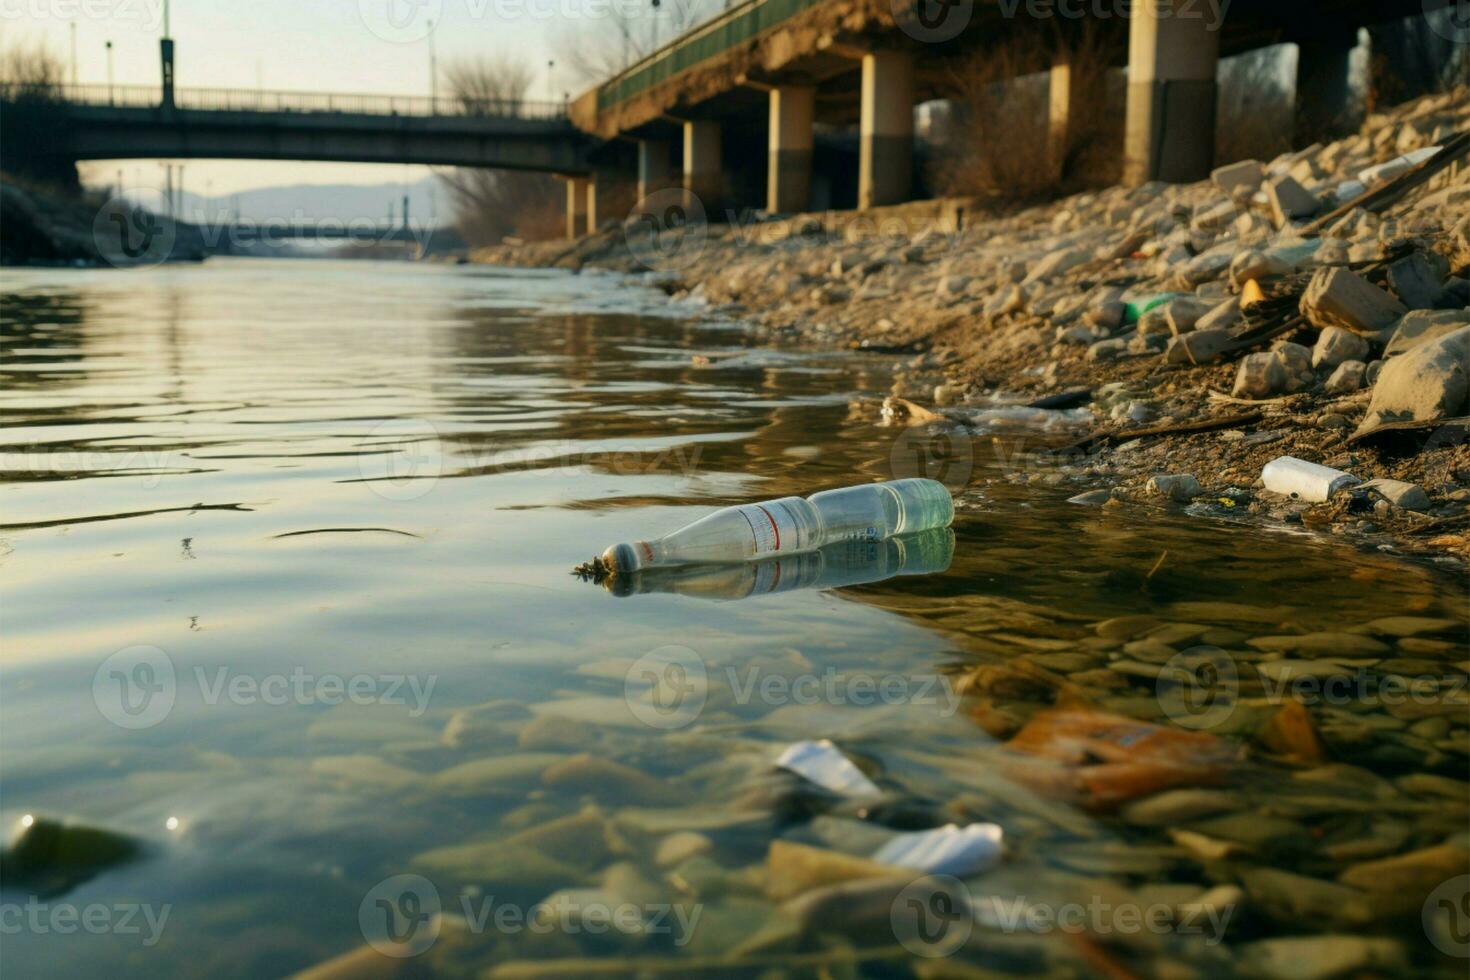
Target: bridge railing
(737,25)
(265,100)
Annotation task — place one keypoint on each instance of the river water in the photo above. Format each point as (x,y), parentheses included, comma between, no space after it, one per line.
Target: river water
(285,551)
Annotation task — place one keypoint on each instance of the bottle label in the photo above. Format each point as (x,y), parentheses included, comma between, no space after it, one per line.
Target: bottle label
(774,527)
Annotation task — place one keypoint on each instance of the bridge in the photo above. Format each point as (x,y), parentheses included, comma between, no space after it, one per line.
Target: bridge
(728,111)
(763,74)
(94,122)
(233,236)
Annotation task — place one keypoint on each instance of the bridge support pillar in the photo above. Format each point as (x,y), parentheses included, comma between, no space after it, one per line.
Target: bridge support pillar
(1066,101)
(789,176)
(1324,86)
(702,176)
(1172,61)
(886,146)
(655,172)
(578,194)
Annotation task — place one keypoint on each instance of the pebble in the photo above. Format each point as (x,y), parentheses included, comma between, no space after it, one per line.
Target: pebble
(792,869)
(1178,487)
(1321,957)
(1400,883)
(1405,626)
(1310,901)
(679,847)
(604,778)
(1328,644)
(1092,498)
(1180,805)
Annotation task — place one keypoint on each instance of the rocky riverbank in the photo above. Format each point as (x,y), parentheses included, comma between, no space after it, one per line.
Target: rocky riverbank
(44,226)
(1312,306)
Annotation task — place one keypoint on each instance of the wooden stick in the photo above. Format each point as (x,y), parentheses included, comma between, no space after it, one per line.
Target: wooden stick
(1168,429)
(1378,198)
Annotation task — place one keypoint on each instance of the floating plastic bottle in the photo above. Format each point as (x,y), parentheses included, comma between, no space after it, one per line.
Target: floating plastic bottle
(832,566)
(872,512)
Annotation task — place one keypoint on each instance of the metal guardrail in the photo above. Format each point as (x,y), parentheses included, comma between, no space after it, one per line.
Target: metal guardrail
(259,100)
(737,25)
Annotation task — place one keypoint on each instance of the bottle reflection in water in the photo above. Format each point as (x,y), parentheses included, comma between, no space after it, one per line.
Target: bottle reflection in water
(836,566)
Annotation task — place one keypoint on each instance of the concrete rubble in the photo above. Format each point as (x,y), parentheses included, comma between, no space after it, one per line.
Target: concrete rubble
(1344,326)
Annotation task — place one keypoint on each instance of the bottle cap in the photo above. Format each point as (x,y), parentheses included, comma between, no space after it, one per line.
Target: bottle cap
(621,558)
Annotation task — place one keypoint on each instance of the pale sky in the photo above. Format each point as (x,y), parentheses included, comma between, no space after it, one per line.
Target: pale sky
(377,46)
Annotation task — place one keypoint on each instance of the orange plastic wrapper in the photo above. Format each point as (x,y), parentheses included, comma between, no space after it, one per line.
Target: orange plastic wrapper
(1102,760)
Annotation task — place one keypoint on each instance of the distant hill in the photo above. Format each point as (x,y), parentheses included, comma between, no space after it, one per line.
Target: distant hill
(342,202)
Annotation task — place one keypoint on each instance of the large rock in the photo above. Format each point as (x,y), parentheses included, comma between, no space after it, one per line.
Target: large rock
(1289,199)
(1297,362)
(1246,174)
(1184,313)
(1340,298)
(1253,264)
(1422,325)
(1418,279)
(1199,347)
(1409,496)
(1336,345)
(1346,379)
(1260,375)
(1431,381)
(1055,264)
(1225,314)
(1107,350)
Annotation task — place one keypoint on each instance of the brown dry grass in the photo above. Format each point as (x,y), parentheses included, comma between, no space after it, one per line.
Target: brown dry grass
(1001,102)
(1254,120)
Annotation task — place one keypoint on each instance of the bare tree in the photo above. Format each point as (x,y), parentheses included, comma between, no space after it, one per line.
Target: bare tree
(491,204)
(31,72)
(488,85)
(595,49)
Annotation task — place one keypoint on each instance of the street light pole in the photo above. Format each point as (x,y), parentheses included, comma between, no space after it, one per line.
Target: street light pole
(550,80)
(433,75)
(166,57)
(73,53)
(109,73)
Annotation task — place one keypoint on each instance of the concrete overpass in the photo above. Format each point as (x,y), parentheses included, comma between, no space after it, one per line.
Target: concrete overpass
(92,122)
(765,72)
